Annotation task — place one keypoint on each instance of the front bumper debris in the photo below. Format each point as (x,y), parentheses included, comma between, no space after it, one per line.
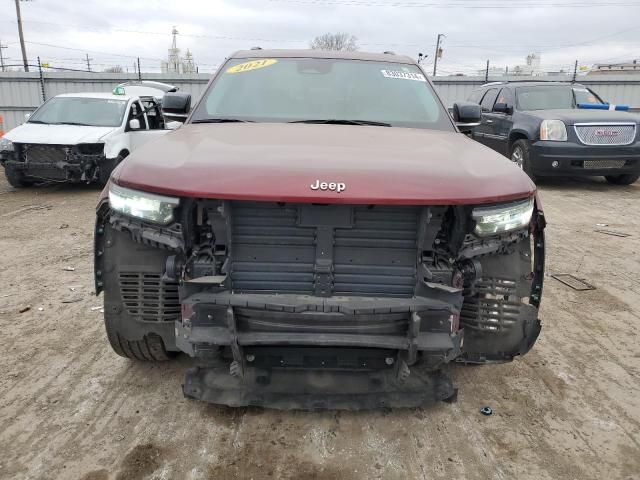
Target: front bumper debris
(319,390)
(306,352)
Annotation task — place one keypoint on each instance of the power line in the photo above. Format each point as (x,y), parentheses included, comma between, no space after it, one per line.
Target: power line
(164,34)
(91,51)
(388,44)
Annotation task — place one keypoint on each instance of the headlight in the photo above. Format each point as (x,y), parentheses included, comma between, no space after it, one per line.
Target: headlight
(554,130)
(143,205)
(502,218)
(6,145)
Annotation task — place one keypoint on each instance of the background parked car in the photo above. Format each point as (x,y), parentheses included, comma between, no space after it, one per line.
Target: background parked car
(558,128)
(81,137)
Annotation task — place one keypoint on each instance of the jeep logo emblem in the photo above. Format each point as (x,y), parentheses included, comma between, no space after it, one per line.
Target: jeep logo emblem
(333,186)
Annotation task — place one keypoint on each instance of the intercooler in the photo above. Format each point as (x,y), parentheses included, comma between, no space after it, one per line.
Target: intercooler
(324,250)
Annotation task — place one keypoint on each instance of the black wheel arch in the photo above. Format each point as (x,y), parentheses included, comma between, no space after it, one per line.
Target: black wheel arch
(515,135)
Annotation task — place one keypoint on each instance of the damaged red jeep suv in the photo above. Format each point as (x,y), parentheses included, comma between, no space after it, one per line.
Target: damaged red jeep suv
(319,234)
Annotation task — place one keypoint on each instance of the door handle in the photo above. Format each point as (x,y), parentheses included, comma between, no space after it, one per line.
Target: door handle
(489,121)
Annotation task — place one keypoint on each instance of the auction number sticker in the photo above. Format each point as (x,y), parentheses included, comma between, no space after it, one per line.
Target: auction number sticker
(403,75)
(252,65)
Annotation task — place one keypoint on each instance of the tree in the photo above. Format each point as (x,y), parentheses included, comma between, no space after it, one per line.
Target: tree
(335,41)
(114,69)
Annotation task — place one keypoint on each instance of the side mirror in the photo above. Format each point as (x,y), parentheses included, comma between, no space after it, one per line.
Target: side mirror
(176,105)
(134,124)
(467,115)
(502,108)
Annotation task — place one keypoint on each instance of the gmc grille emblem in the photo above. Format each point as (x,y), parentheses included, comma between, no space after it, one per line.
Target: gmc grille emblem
(607,133)
(333,186)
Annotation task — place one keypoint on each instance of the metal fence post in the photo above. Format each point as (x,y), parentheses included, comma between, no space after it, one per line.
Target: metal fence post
(44,98)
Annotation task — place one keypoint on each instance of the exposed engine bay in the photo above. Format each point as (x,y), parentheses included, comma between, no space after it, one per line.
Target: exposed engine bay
(322,306)
(68,163)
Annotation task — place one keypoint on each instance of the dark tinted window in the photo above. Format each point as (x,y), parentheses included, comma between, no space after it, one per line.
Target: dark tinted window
(489,99)
(584,95)
(299,89)
(549,97)
(506,96)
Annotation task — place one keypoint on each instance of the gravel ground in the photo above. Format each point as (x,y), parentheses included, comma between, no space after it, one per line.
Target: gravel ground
(72,409)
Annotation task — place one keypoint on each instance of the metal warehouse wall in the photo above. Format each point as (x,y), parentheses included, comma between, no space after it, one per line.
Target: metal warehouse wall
(21,92)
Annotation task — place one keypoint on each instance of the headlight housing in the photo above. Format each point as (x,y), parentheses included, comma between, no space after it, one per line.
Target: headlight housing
(502,218)
(145,206)
(6,145)
(554,130)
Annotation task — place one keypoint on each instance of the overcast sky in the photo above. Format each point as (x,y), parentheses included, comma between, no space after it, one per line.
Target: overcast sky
(504,31)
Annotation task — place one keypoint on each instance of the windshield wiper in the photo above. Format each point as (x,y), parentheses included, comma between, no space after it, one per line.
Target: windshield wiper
(38,121)
(73,123)
(221,120)
(343,122)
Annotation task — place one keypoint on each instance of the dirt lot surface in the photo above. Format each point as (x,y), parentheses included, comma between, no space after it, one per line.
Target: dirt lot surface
(72,409)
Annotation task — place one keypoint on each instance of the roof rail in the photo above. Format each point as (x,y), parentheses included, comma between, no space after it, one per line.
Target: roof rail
(389,52)
(256,48)
(506,82)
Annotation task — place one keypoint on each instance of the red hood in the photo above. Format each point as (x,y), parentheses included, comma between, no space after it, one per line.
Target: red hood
(279,162)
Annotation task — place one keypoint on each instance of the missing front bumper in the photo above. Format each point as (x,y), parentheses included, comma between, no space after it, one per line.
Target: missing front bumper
(410,325)
(306,352)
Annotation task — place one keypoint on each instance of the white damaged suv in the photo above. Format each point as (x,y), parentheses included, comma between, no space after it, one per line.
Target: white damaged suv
(81,137)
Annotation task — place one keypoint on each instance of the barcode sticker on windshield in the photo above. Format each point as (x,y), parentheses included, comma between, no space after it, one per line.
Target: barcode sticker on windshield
(403,75)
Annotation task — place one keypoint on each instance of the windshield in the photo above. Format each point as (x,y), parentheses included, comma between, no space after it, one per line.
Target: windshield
(96,112)
(310,89)
(554,97)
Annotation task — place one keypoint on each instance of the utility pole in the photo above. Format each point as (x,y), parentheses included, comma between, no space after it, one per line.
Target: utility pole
(88,62)
(1,56)
(575,72)
(486,73)
(24,50)
(139,74)
(435,59)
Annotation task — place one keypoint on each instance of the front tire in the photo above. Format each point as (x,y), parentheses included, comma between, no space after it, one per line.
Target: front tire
(626,179)
(15,177)
(520,156)
(149,349)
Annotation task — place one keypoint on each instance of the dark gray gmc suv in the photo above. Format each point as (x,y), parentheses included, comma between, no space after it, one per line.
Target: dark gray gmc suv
(556,128)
